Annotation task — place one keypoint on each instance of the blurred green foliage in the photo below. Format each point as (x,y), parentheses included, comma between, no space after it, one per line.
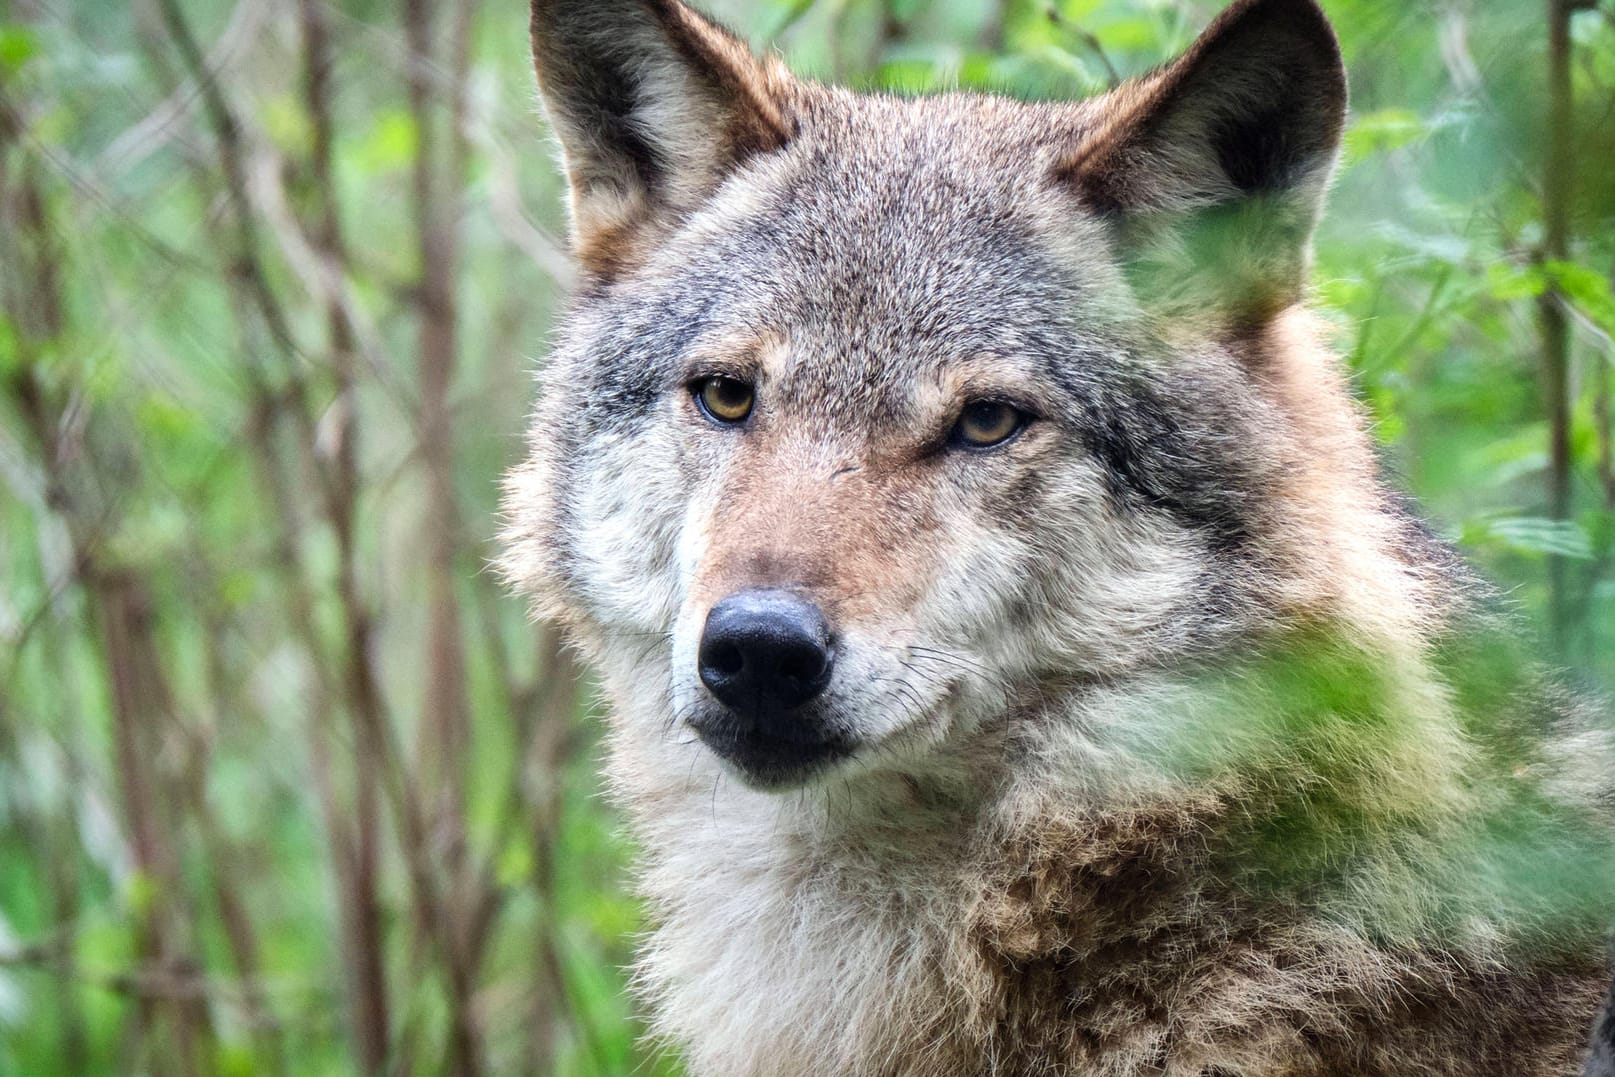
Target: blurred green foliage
(183,757)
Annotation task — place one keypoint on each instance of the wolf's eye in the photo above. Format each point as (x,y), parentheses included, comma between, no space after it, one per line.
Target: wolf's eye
(725,400)
(985,423)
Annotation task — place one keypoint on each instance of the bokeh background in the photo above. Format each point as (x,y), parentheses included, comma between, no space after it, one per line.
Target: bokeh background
(287,784)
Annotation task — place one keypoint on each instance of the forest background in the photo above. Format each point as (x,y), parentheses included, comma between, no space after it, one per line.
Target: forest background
(287,784)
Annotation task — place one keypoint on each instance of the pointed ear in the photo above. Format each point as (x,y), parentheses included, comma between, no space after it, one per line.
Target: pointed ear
(1215,166)
(653,105)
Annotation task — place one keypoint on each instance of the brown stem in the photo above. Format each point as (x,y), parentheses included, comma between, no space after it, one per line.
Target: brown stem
(232,162)
(367,979)
(1090,41)
(445,724)
(139,696)
(353,841)
(1557,190)
(445,728)
(226,861)
(65,884)
(549,750)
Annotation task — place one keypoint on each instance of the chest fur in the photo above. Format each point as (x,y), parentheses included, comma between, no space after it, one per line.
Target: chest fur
(1096,947)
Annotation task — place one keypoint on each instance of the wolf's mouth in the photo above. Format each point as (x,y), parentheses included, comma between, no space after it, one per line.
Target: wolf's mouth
(766,659)
(769,761)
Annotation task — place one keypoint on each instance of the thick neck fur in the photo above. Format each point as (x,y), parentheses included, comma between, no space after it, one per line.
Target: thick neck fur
(921,926)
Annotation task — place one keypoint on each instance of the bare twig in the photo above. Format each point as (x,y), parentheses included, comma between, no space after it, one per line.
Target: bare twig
(1558,184)
(154,130)
(362,922)
(232,161)
(119,613)
(1090,40)
(445,729)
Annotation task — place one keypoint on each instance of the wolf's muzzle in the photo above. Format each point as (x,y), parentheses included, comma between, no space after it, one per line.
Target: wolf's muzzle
(766,656)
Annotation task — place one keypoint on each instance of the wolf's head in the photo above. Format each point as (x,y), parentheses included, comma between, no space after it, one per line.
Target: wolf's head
(878,417)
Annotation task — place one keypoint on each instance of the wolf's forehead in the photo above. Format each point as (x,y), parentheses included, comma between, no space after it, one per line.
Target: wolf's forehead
(914,181)
(895,240)
(890,234)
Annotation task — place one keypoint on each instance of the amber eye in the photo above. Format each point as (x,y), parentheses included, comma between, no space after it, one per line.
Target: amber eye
(985,423)
(725,400)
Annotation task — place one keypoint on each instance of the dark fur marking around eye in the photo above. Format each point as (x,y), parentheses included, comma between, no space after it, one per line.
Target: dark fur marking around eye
(1154,460)
(648,337)
(1160,447)
(627,390)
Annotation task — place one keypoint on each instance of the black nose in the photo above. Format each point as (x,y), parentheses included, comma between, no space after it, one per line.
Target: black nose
(764,652)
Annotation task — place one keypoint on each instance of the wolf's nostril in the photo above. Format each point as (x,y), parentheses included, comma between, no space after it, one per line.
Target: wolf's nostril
(765,652)
(803,666)
(725,660)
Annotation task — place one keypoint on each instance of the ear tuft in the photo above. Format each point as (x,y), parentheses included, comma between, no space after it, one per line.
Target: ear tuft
(653,105)
(1256,106)
(1223,156)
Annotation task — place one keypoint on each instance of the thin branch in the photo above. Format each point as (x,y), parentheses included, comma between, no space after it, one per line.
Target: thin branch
(445,727)
(1557,189)
(362,920)
(232,161)
(1090,40)
(157,127)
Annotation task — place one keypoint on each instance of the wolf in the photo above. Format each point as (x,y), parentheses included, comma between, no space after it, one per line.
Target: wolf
(1016,661)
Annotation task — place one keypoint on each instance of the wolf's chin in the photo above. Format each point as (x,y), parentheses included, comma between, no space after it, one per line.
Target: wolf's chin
(776,766)
(775,754)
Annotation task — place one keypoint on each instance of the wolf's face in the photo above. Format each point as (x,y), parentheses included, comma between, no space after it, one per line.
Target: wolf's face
(881,417)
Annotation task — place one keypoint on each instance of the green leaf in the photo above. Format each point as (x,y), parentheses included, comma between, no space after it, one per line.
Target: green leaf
(515,865)
(1383,131)
(10,349)
(786,17)
(235,1060)
(906,76)
(1341,292)
(1531,534)
(1508,282)
(141,893)
(288,125)
(165,420)
(1427,247)
(17,47)
(1587,289)
(390,144)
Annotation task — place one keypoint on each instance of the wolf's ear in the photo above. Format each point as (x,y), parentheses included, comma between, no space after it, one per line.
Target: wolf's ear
(1214,167)
(652,105)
